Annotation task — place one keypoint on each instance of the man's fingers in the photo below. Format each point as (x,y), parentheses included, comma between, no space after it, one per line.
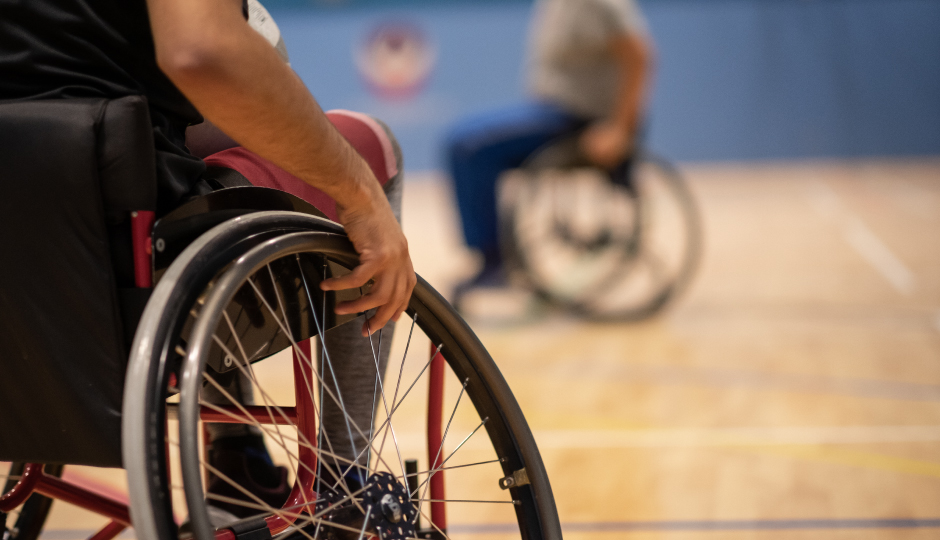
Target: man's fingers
(382,294)
(404,307)
(363,303)
(378,321)
(389,304)
(359,276)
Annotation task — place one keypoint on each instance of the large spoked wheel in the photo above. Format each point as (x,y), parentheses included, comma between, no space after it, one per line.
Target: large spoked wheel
(607,245)
(238,305)
(25,522)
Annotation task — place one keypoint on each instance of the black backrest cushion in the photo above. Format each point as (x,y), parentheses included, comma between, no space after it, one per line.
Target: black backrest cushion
(70,170)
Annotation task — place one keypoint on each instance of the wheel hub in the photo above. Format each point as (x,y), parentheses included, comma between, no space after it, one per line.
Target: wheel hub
(392,514)
(391,508)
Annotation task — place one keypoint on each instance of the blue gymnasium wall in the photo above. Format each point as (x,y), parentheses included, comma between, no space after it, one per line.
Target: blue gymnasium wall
(737,79)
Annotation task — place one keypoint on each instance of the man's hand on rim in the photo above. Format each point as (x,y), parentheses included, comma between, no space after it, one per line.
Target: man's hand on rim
(383,258)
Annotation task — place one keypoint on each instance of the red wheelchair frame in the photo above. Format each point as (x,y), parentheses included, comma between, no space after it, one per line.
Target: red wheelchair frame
(35,480)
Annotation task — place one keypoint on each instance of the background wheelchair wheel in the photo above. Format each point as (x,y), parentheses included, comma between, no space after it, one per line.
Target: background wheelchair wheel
(606,245)
(486,439)
(25,523)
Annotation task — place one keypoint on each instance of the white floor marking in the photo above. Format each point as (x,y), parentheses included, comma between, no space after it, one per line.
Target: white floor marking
(564,439)
(875,252)
(676,438)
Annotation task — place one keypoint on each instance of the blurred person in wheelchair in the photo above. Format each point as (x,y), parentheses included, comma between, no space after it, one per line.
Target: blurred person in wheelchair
(589,69)
(214,59)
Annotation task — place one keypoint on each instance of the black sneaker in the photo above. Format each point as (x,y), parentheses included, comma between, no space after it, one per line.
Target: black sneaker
(492,275)
(245,461)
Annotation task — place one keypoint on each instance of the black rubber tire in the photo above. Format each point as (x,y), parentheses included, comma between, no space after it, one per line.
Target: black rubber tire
(271,235)
(34,511)
(521,265)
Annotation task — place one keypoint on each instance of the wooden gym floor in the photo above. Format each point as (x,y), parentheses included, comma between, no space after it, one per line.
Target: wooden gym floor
(794,392)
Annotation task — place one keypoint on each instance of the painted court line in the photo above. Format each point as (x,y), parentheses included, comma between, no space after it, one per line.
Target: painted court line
(743,436)
(631,526)
(865,242)
(593,439)
(873,250)
(845,455)
(787,382)
(719,525)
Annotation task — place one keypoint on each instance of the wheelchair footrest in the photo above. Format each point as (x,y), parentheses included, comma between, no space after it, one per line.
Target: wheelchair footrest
(251,529)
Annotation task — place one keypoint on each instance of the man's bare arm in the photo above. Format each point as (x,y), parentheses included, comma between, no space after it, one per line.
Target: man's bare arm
(609,140)
(238,81)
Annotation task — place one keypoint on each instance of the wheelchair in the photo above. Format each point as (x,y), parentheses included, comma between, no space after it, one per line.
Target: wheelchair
(605,244)
(224,285)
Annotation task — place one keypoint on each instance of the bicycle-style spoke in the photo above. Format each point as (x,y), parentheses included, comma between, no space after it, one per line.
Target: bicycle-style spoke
(325,356)
(433,471)
(308,384)
(301,439)
(299,520)
(338,506)
(351,421)
(246,371)
(275,413)
(250,420)
(252,317)
(267,507)
(443,440)
(405,395)
(375,387)
(325,353)
(477,464)
(278,437)
(401,371)
(467,501)
(365,522)
(247,419)
(288,511)
(464,441)
(378,378)
(431,522)
(321,433)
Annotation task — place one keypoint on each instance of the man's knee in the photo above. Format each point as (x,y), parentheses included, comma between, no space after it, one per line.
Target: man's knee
(376,143)
(393,140)
(393,187)
(372,139)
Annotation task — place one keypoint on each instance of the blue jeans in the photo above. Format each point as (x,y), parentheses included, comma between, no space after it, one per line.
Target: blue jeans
(481,147)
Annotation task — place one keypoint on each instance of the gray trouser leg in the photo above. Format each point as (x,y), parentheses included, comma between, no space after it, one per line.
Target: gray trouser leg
(352,358)
(354,365)
(357,385)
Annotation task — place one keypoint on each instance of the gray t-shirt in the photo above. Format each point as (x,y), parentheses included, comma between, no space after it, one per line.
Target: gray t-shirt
(570,62)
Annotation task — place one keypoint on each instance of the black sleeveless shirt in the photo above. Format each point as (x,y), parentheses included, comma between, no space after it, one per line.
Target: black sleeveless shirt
(57,49)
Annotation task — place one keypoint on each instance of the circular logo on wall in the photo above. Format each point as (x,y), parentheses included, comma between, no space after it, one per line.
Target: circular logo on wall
(396,59)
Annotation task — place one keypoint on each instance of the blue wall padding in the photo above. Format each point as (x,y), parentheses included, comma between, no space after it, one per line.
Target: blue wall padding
(791,78)
(737,79)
